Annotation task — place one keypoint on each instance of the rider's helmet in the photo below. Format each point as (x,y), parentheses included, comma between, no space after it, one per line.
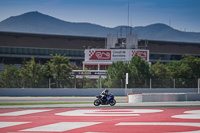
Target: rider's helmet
(106,90)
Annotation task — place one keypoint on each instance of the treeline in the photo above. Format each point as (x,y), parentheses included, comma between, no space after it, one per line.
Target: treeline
(35,75)
(56,73)
(180,74)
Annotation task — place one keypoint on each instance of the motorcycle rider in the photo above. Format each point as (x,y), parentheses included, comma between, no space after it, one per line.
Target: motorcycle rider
(104,94)
(104,98)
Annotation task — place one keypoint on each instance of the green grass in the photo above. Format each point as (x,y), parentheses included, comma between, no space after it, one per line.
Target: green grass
(6,104)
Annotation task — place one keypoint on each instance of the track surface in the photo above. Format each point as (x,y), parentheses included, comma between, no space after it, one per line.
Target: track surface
(101,120)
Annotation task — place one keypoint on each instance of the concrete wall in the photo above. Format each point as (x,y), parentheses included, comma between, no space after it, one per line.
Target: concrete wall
(163,97)
(85,92)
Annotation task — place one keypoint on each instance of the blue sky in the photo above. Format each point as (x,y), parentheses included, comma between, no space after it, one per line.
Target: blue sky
(180,14)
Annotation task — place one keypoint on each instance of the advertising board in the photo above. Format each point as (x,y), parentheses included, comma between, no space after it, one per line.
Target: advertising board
(142,53)
(115,54)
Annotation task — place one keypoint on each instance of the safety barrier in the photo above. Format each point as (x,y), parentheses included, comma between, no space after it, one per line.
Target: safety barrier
(162,97)
(85,92)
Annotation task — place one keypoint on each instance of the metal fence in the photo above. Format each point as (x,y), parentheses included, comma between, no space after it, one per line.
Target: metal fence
(163,83)
(101,83)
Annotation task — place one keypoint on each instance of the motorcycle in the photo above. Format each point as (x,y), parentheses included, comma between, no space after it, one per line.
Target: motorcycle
(105,101)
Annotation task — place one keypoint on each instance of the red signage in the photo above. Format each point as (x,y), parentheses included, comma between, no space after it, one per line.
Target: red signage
(140,53)
(99,55)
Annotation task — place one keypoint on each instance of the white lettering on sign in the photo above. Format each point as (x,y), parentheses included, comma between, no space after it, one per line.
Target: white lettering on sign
(193,114)
(111,112)
(119,55)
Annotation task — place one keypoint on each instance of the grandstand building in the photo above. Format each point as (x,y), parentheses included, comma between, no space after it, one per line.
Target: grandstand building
(15,47)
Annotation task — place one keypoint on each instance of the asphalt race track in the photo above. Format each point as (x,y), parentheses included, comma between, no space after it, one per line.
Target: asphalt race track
(101,120)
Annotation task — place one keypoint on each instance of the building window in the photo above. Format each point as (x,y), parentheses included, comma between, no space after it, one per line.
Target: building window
(92,66)
(104,67)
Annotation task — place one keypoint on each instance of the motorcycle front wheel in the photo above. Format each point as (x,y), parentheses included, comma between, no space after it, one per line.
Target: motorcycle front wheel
(97,102)
(112,102)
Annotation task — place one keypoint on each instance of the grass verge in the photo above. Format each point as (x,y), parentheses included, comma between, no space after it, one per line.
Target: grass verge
(7,104)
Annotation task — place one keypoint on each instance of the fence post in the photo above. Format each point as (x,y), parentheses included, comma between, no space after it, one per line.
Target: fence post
(198,85)
(49,83)
(75,81)
(22,84)
(150,83)
(100,85)
(126,81)
(174,83)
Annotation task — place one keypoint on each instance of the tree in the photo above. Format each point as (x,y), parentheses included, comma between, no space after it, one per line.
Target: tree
(84,81)
(185,71)
(160,71)
(116,74)
(193,64)
(31,74)
(9,78)
(161,76)
(139,67)
(58,69)
(187,68)
(139,72)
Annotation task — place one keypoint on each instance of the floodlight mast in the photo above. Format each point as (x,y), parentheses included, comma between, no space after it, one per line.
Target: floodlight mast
(128,13)
(128,27)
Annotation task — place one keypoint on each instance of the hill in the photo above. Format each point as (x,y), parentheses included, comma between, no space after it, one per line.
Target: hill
(35,22)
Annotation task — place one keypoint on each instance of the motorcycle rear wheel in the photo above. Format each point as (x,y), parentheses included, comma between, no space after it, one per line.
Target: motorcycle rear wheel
(112,102)
(97,102)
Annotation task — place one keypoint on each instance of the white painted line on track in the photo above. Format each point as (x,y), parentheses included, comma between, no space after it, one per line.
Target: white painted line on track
(110,112)
(139,110)
(160,123)
(8,124)
(189,132)
(96,132)
(193,114)
(92,112)
(193,111)
(62,126)
(23,112)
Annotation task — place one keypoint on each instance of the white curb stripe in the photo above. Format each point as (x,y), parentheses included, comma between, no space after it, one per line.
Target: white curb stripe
(192,114)
(160,123)
(110,112)
(23,112)
(8,124)
(62,126)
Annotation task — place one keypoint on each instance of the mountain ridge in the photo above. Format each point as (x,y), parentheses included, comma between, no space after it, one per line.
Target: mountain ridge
(36,22)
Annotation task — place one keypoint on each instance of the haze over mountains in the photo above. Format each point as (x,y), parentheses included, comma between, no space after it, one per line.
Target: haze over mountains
(35,22)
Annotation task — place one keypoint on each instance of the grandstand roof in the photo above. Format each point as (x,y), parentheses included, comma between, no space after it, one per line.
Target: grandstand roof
(50,41)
